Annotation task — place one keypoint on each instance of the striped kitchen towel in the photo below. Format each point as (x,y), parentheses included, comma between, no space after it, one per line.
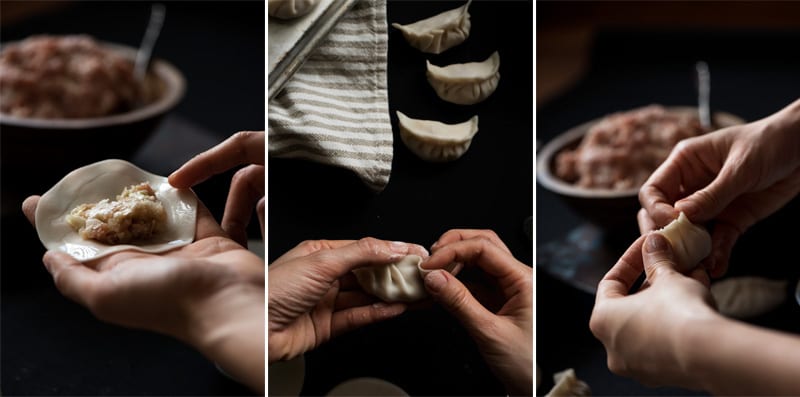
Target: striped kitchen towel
(335,109)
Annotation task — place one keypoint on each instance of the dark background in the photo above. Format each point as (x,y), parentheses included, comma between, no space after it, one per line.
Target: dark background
(602,57)
(52,346)
(424,351)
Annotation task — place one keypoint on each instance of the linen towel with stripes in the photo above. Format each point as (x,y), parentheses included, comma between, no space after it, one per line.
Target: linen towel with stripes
(335,109)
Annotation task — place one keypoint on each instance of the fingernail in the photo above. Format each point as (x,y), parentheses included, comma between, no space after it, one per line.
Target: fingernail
(656,243)
(436,280)
(434,245)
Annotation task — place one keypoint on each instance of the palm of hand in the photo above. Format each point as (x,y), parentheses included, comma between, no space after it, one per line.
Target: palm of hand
(300,320)
(133,288)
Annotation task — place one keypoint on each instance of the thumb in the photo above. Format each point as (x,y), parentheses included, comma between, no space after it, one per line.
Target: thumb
(456,299)
(711,200)
(658,257)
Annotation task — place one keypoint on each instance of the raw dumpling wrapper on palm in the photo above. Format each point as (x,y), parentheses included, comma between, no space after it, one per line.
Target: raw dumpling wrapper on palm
(465,83)
(439,32)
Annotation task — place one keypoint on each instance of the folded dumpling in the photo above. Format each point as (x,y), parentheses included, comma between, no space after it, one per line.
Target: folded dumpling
(568,385)
(744,297)
(397,282)
(690,243)
(439,32)
(288,9)
(436,141)
(465,83)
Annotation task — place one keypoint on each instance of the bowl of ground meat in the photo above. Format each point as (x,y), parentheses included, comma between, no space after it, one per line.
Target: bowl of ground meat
(66,101)
(598,167)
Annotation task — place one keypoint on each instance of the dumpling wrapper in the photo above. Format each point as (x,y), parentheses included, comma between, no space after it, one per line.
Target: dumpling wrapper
(439,32)
(105,179)
(465,83)
(290,9)
(745,297)
(690,243)
(567,384)
(435,141)
(397,282)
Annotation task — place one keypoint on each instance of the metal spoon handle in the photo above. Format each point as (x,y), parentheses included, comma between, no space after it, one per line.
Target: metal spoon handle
(703,93)
(157,13)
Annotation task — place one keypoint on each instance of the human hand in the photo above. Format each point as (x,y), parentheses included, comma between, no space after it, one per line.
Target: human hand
(505,337)
(647,334)
(209,294)
(247,186)
(734,177)
(313,296)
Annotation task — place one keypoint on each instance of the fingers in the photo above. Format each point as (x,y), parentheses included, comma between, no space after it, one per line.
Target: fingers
(73,279)
(456,299)
(261,211)
(351,299)
(349,319)
(708,202)
(309,247)
(658,257)
(334,263)
(29,208)
(664,187)
(723,238)
(206,224)
(244,147)
(247,188)
(646,222)
(620,279)
(455,235)
(480,251)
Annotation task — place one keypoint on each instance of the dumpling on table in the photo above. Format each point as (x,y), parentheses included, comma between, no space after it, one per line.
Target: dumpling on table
(749,296)
(435,141)
(439,32)
(465,83)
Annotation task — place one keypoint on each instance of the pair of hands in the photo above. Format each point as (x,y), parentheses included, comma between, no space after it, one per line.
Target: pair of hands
(210,293)
(732,178)
(314,297)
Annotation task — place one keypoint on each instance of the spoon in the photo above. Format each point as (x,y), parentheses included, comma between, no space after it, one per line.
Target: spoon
(703,94)
(149,41)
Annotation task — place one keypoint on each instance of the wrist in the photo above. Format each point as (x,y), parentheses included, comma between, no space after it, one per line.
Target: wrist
(785,126)
(228,328)
(693,349)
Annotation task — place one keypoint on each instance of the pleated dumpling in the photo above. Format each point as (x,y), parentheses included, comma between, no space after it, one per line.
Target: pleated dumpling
(744,297)
(568,385)
(690,243)
(397,282)
(288,9)
(439,32)
(436,141)
(465,83)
